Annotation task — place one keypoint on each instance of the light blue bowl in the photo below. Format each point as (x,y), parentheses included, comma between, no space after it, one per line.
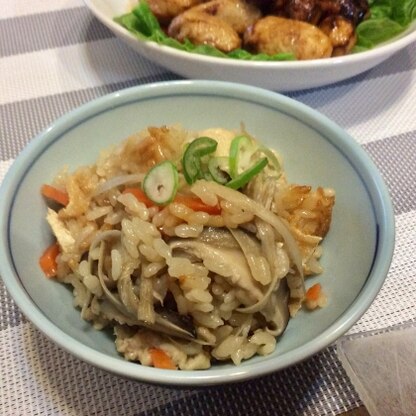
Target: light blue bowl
(357,250)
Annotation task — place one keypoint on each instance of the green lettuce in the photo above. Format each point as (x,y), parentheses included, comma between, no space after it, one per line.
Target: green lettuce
(388,19)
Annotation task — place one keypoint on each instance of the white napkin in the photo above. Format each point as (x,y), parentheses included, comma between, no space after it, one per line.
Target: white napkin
(382,367)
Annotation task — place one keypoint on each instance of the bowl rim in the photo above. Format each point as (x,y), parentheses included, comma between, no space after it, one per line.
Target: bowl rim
(368,172)
(383,50)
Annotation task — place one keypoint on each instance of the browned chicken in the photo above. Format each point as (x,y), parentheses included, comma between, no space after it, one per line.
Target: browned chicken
(274,35)
(313,11)
(166,10)
(239,14)
(203,29)
(341,33)
(310,29)
(353,10)
(304,10)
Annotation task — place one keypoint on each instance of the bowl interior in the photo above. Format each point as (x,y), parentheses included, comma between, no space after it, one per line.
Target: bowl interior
(315,152)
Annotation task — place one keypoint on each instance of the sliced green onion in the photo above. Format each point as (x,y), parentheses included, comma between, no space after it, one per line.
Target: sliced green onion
(273,160)
(241,150)
(217,167)
(191,160)
(245,177)
(161,183)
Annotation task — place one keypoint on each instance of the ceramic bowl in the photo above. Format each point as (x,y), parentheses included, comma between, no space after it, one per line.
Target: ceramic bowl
(315,151)
(277,76)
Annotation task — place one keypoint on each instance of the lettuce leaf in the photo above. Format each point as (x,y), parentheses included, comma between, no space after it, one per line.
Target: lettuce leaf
(388,19)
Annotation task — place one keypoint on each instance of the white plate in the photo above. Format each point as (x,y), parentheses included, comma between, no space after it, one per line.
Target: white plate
(278,76)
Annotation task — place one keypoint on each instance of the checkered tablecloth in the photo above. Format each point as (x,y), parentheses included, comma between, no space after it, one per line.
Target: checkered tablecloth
(55,56)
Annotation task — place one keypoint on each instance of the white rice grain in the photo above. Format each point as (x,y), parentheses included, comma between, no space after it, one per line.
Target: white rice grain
(188,230)
(98,212)
(116,264)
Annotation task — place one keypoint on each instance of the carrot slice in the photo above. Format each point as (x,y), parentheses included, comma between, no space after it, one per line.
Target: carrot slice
(313,293)
(55,194)
(161,360)
(47,260)
(140,196)
(197,204)
(193,203)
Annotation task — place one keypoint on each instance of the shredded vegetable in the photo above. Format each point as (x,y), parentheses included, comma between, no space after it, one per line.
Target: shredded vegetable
(197,205)
(47,260)
(161,360)
(55,194)
(313,293)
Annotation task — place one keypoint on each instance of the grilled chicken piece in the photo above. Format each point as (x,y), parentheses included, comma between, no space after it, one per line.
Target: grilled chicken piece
(304,10)
(166,10)
(313,11)
(274,35)
(239,14)
(354,10)
(204,29)
(341,33)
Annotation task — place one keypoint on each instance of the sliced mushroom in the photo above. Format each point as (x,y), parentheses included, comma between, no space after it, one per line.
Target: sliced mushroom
(221,259)
(127,304)
(276,312)
(176,320)
(219,237)
(250,246)
(278,260)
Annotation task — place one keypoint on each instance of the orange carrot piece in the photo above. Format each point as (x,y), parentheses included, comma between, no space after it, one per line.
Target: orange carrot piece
(55,194)
(161,360)
(197,204)
(140,196)
(47,260)
(313,293)
(191,202)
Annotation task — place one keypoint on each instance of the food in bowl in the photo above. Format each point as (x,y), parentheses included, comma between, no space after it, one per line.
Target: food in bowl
(269,30)
(192,245)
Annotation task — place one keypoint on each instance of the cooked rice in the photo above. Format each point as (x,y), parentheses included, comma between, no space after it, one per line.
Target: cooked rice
(119,258)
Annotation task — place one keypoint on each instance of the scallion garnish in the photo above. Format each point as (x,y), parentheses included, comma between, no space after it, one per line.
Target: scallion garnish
(245,177)
(191,160)
(161,183)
